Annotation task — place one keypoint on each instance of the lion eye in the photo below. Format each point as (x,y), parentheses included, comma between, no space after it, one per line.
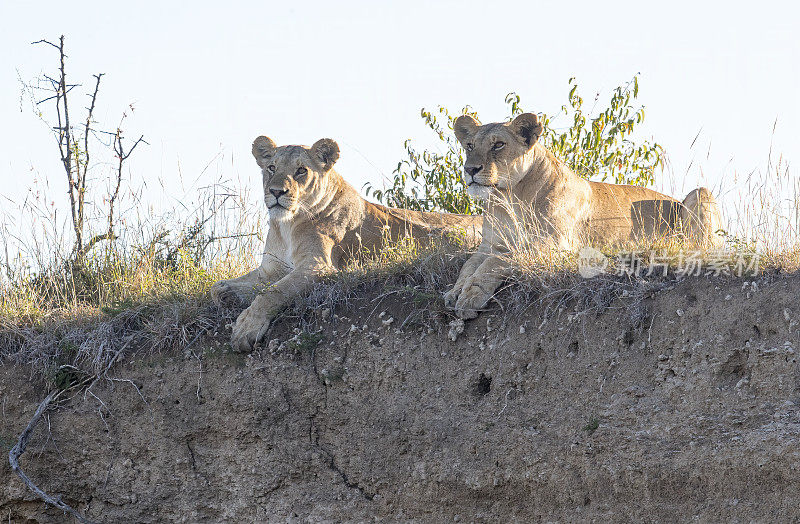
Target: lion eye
(271,168)
(301,171)
(470,147)
(498,146)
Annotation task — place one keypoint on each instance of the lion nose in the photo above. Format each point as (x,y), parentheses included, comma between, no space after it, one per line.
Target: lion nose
(278,192)
(473,170)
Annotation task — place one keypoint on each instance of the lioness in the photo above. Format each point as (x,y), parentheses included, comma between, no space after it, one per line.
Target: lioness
(515,175)
(317,224)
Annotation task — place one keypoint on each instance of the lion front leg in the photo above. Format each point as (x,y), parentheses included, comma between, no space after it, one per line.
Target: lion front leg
(469,268)
(236,291)
(242,290)
(480,287)
(253,323)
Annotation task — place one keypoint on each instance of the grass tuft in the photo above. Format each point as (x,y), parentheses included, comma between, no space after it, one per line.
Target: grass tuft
(148,292)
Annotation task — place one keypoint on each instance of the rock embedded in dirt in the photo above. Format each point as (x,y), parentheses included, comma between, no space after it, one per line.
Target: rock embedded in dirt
(456,328)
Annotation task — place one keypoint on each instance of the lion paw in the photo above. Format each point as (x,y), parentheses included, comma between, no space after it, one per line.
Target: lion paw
(471,300)
(224,294)
(250,328)
(451,297)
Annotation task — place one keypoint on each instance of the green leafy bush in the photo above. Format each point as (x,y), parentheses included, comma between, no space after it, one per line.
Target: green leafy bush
(599,147)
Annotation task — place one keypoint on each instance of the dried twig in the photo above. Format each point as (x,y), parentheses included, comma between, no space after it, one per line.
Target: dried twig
(22,442)
(109,235)
(19,449)
(122,156)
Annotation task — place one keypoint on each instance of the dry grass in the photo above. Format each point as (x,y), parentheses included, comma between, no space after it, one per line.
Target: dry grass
(82,316)
(765,214)
(149,307)
(148,292)
(418,274)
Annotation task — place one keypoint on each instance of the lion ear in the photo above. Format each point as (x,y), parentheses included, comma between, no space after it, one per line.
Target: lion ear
(465,127)
(527,127)
(326,152)
(263,147)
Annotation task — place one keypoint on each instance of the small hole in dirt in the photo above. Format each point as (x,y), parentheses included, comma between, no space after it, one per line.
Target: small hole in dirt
(484,385)
(573,346)
(757,331)
(628,338)
(177,401)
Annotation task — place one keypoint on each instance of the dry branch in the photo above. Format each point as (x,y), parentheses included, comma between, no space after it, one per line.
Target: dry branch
(74,150)
(122,156)
(19,449)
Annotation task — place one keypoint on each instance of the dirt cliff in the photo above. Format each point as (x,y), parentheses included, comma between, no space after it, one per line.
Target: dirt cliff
(684,405)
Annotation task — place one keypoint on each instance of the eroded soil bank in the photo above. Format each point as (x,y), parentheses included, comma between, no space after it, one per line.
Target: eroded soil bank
(689,408)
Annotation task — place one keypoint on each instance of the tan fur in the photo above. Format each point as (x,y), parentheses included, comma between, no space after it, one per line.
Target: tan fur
(521,182)
(317,224)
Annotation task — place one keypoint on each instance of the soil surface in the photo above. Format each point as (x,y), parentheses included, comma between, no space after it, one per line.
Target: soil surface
(687,410)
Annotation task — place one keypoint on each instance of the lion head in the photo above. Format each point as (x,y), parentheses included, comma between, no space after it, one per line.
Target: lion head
(498,155)
(296,178)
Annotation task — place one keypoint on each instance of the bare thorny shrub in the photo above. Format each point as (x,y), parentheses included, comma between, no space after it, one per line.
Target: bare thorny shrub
(117,278)
(74,148)
(68,297)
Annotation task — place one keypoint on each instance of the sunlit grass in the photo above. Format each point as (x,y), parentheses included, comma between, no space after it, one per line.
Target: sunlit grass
(111,284)
(149,290)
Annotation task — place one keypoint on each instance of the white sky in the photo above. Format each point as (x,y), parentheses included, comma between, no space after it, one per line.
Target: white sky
(207,77)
